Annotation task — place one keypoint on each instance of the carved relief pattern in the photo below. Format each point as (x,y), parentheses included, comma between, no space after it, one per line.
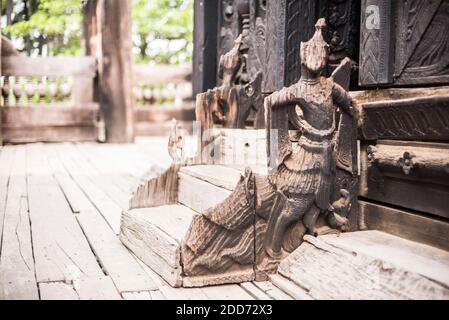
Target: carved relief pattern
(428,34)
(342,31)
(414,17)
(300,19)
(422,119)
(237,101)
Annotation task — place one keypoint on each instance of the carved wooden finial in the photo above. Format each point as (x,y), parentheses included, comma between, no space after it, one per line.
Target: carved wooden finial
(315,52)
(320,24)
(318,36)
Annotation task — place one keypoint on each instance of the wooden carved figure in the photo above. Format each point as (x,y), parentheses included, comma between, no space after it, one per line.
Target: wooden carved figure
(230,104)
(305,175)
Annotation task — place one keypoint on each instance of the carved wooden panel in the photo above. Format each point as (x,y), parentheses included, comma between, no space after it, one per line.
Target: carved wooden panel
(404,42)
(375,42)
(291,21)
(421,118)
(423,42)
(228,27)
(406,174)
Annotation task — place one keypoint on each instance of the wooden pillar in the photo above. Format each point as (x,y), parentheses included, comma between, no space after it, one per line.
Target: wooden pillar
(205,45)
(90,28)
(107,31)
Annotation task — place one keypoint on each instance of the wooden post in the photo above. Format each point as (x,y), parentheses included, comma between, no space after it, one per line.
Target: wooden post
(205,45)
(90,28)
(108,35)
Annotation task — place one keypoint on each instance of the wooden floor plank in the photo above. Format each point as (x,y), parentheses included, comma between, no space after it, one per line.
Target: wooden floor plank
(96,288)
(116,260)
(103,181)
(17,272)
(110,211)
(157,295)
(6,161)
(289,287)
(61,251)
(101,288)
(271,290)
(171,293)
(115,171)
(254,291)
(75,196)
(57,291)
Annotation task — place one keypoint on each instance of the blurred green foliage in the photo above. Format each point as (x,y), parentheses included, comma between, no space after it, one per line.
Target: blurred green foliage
(44,27)
(162,29)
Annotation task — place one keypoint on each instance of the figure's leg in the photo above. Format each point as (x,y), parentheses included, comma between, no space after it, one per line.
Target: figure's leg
(310,219)
(294,210)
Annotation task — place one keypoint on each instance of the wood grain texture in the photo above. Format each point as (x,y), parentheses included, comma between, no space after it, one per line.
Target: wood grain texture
(115,69)
(57,291)
(50,124)
(407,174)
(61,251)
(272,291)
(108,208)
(154,235)
(406,224)
(158,190)
(116,261)
(17,268)
(367,265)
(96,288)
(192,193)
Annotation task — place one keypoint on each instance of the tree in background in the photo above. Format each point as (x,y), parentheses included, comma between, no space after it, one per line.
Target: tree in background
(44,27)
(162,29)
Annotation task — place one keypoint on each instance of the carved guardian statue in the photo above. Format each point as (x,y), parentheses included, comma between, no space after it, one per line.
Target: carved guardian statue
(272,213)
(306,174)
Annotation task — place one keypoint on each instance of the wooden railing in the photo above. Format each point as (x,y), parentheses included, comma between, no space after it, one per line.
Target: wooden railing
(161,94)
(48,99)
(52,99)
(162,85)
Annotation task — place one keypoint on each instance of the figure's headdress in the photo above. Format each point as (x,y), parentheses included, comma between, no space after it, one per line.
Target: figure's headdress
(315,52)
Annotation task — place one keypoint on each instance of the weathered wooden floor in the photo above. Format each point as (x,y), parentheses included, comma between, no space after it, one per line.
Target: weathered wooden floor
(60,207)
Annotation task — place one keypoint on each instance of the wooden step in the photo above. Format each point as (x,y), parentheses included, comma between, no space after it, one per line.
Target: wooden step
(155,234)
(220,176)
(368,265)
(204,186)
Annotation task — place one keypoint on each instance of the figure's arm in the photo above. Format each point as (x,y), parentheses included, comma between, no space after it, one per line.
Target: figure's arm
(282,97)
(342,99)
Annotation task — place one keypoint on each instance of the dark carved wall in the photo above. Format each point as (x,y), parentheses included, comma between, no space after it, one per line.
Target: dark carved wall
(404,42)
(205,45)
(292,21)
